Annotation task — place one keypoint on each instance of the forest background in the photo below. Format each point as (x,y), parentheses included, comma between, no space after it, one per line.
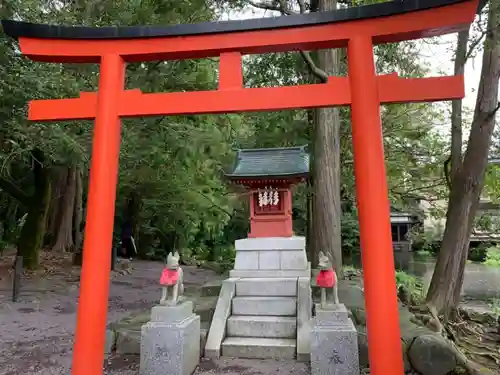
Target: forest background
(171,180)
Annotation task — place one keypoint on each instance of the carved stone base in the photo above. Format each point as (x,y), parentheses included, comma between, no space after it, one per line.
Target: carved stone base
(170,342)
(334,342)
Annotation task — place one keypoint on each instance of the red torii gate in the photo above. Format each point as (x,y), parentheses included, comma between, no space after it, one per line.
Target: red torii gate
(358,29)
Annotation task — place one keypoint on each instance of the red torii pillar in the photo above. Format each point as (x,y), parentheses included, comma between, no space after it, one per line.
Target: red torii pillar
(363,90)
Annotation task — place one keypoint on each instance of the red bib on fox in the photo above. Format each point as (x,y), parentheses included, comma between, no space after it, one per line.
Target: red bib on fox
(169,277)
(326,278)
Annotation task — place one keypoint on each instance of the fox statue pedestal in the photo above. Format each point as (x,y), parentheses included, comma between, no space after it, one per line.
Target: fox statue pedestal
(334,342)
(334,339)
(170,341)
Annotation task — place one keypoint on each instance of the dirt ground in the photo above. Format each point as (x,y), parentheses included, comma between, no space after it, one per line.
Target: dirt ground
(37,332)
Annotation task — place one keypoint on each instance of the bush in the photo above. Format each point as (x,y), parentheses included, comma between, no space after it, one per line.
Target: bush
(412,285)
(494,304)
(350,233)
(224,256)
(492,257)
(478,253)
(424,254)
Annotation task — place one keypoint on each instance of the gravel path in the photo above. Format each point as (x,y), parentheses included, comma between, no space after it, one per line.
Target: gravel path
(36,333)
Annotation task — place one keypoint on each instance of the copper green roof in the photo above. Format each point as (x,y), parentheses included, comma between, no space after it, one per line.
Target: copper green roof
(271,162)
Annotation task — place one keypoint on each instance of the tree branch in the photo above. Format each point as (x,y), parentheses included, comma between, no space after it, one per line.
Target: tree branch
(493,113)
(474,44)
(478,40)
(447,171)
(214,205)
(302,6)
(319,73)
(415,190)
(270,6)
(283,9)
(16,193)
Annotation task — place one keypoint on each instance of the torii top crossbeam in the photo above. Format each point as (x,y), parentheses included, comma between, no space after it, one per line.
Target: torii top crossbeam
(357,28)
(383,23)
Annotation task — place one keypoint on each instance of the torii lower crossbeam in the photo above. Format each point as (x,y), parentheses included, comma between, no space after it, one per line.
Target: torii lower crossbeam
(357,29)
(336,92)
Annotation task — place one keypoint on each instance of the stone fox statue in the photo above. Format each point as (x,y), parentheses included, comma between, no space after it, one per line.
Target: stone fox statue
(327,280)
(171,279)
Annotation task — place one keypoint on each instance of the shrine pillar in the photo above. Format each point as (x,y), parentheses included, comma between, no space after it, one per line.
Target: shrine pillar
(94,279)
(373,211)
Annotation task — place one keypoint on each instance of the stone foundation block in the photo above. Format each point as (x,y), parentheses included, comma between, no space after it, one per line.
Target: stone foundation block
(172,314)
(270,257)
(334,344)
(332,315)
(171,346)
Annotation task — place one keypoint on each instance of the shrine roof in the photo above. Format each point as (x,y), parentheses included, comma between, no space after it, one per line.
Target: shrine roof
(286,162)
(16,29)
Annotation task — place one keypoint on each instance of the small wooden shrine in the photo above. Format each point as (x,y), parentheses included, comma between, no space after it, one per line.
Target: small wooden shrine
(268,175)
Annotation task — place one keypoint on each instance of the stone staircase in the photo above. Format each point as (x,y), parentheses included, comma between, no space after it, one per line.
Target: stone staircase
(263,320)
(264,307)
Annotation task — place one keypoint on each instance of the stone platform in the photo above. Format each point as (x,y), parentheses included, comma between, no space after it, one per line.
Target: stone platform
(264,308)
(270,257)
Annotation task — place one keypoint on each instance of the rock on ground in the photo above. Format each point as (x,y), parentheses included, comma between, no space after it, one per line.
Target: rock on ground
(424,351)
(431,354)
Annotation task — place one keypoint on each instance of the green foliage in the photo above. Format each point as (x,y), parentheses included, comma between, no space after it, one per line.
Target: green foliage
(350,233)
(349,269)
(427,240)
(175,165)
(412,284)
(424,254)
(494,304)
(493,257)
(478,253)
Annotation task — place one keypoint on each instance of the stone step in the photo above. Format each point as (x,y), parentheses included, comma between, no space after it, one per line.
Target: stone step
(265,306)
(270,287)
(212,288)
(259,348)
(262,326)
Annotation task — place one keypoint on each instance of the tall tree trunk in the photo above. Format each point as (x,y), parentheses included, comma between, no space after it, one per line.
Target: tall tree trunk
(311,256)
(467,184)
(64,239)
(59,178)
(456,147)
(327,209)
(78,220)
(133,211)
(456,105)
(33,231)
(78,211)
(311,243)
